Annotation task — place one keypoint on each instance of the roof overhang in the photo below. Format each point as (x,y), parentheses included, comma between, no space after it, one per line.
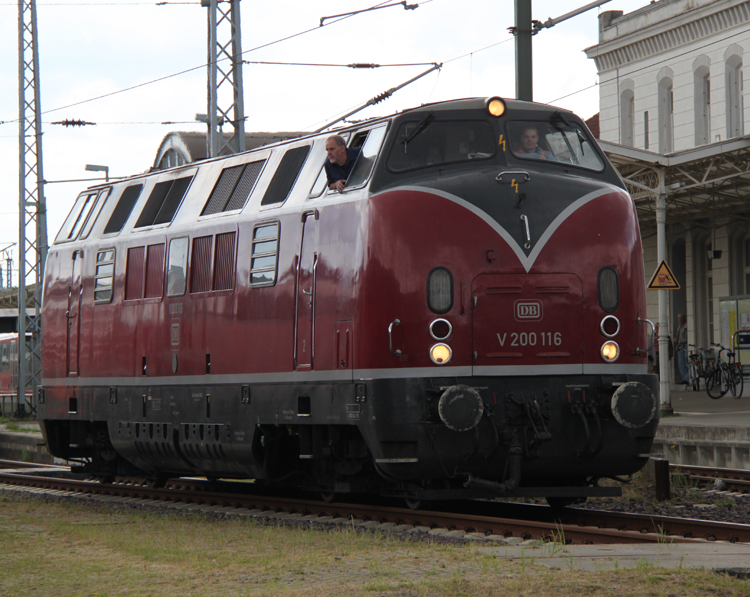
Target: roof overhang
(700,185)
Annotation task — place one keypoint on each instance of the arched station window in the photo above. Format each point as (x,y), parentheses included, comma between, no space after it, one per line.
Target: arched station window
(702,100)
(666,113)
(734,89)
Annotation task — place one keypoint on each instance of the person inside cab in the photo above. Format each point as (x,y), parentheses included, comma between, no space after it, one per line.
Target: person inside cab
(340,162)
(528,146)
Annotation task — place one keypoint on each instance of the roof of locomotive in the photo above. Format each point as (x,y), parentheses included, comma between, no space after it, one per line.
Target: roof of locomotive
(463,104)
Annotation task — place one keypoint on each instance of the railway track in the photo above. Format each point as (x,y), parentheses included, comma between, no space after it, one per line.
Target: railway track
(479,520)
(737,480)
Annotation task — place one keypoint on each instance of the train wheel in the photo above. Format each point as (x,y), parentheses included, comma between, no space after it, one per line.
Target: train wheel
(413,503)
(157,482)
(107,479)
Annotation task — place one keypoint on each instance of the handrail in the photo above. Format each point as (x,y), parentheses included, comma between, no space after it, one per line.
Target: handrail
(653,335)
(390,337)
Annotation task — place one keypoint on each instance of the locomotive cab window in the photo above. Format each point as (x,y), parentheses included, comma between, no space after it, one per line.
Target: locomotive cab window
(557,140)
(264,255)
(95,211)
(105,274)
(427,142)
(370,143)
(86,209)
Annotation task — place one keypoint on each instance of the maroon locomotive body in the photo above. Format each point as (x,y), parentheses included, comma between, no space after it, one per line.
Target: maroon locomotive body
(465,318)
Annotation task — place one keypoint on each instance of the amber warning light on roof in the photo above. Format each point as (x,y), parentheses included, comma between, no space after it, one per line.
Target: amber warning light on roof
(663,278)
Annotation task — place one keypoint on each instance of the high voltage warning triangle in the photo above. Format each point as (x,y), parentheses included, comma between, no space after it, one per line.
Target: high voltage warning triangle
(663,278)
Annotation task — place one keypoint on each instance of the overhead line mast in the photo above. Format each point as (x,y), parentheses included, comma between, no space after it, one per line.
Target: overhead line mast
(224,48)
(32,234)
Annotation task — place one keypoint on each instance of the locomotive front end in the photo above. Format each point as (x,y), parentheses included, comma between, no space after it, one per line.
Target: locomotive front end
(510,290)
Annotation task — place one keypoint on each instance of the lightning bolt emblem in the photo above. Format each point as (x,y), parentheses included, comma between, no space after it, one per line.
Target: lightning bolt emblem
(502,142)
(514,184)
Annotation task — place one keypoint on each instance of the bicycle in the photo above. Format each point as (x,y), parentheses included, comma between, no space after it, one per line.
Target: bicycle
(694,369)
(726,377)
(701,363)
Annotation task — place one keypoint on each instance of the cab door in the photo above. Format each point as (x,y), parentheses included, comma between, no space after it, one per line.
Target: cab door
(73,313)
(306,277)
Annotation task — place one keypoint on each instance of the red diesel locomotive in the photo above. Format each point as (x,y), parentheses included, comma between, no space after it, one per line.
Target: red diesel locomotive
(467,318)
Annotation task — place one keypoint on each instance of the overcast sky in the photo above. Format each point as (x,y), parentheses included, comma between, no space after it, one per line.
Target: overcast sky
(88,49)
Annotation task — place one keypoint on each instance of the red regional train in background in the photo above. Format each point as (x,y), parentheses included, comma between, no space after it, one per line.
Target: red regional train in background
(9,374)
(464,319)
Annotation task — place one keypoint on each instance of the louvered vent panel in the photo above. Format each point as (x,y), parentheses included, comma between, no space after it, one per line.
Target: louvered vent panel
(222,191)
(134,274)
(155,271)
(224,262)
(245,186)
(200,268)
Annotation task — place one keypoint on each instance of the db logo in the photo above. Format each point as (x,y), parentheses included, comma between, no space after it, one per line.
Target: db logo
(528,310)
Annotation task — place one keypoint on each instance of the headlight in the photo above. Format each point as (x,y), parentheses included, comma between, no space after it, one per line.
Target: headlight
(441,354)
(610,326)
(495,106)
(610,351)
(441,329)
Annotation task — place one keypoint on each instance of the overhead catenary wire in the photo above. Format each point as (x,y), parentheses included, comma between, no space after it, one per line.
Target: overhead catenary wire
(192,69)
(352,65)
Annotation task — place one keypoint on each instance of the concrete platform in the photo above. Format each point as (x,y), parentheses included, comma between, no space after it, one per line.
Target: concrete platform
(711,556)
(705,432)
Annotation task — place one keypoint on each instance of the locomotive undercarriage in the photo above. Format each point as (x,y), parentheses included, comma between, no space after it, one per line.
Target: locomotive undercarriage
(434,438)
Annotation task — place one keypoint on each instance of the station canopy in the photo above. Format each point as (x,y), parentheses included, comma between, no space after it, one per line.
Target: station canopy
(702,185)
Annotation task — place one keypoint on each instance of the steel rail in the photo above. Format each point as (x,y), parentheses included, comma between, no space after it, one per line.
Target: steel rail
(574,529)
(735,479)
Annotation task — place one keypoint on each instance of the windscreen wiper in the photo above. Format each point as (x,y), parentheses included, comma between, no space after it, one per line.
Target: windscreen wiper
(559,116)
(406,138)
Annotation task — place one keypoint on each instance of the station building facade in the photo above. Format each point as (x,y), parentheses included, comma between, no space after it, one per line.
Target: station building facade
(673,119)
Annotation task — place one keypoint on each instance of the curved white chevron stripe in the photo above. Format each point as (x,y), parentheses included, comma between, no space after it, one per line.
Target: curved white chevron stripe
(526,260)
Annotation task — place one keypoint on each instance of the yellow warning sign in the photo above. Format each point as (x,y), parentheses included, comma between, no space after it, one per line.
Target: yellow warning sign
(663,278)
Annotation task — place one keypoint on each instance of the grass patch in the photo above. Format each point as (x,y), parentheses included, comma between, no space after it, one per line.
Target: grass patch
(19,425)
(77,551)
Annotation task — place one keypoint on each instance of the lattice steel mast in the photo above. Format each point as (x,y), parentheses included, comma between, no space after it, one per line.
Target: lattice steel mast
(225,95)
(32,217)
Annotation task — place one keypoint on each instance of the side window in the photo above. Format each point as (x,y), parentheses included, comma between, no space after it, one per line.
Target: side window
(233,188)
(178,252)
(77,217)
(320,185)
(123,208)
(163,202)
(264,254)
(366,159)
(105,273)
(286,175)
(101,200)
